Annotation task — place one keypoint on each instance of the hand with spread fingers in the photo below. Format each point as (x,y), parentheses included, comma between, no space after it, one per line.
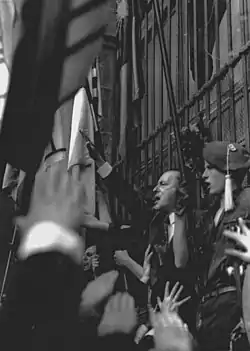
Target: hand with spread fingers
(171,302)
(169,330)
(170,333)
(242,240)
(56,197)
(119,315)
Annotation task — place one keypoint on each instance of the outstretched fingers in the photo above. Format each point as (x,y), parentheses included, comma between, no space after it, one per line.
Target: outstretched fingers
(180,303)
(239,254)
(177,295)
(238,238)
(174,290)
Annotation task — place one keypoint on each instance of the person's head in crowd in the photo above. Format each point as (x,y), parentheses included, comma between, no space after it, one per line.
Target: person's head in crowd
(216,166)
(166,190)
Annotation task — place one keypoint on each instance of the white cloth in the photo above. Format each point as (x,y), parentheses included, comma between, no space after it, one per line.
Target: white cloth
(218,215)
(49,236)
(171,226)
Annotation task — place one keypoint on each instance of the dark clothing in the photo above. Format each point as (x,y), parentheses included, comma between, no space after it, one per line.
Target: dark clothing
(7,214)
(41,308)
(120,239)
(169,272)
(151,227)
(41,311)
(217,272)
(217,317)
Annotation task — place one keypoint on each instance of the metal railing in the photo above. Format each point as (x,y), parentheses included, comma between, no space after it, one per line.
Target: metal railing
(206,44)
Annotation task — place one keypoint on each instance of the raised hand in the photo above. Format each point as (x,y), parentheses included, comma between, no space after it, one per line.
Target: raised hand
(169,332)
(97,290)
(56,197)
(119,315)
(121,257)
(94,153)
(171,302)
(243,240)
(95,262)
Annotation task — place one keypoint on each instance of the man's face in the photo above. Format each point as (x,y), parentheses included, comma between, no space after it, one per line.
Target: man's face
(165,191)
(214,179)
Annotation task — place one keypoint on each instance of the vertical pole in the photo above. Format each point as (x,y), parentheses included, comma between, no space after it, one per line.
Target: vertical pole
(177,73)
(206,57)
(181,53)
(245,76)
(146,96)
(247,15)
(153,155)
(186,60)
(195,44)
(161,103)
(247,12)
(232,124)
(169,129)
(196,72)
(217,65)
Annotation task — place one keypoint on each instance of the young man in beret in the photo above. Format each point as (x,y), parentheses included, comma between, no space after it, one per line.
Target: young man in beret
(220,276)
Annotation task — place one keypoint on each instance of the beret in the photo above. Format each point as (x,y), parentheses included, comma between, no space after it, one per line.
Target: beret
(215,153)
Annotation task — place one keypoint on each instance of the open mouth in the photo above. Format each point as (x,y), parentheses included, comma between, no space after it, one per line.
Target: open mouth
(156,198)
(206,185)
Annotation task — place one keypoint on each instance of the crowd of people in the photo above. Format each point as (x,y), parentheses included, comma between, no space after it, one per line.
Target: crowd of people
(143,286)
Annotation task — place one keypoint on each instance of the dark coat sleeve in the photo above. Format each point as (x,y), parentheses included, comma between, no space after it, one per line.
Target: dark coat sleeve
(42,303)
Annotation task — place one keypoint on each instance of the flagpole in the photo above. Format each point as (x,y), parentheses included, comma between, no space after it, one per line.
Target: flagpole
(168,79)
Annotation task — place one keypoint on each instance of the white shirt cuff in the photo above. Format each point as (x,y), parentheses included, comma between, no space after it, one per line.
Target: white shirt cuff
(105,170)
(49,236)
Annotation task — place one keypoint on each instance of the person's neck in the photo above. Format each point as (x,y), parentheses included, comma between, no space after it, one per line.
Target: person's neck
(165,212)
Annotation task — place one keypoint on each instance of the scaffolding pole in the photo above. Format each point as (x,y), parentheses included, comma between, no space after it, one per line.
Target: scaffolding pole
(167,76)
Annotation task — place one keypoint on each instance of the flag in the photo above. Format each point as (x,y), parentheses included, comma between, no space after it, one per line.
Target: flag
(7,12)
(138,10)
(7,15)
(62,128)
(56,44)
(82,119)
(87,108)
(130,87)
(200,30)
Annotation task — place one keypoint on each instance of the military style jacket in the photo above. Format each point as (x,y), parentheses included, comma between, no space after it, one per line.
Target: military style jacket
(214,268)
